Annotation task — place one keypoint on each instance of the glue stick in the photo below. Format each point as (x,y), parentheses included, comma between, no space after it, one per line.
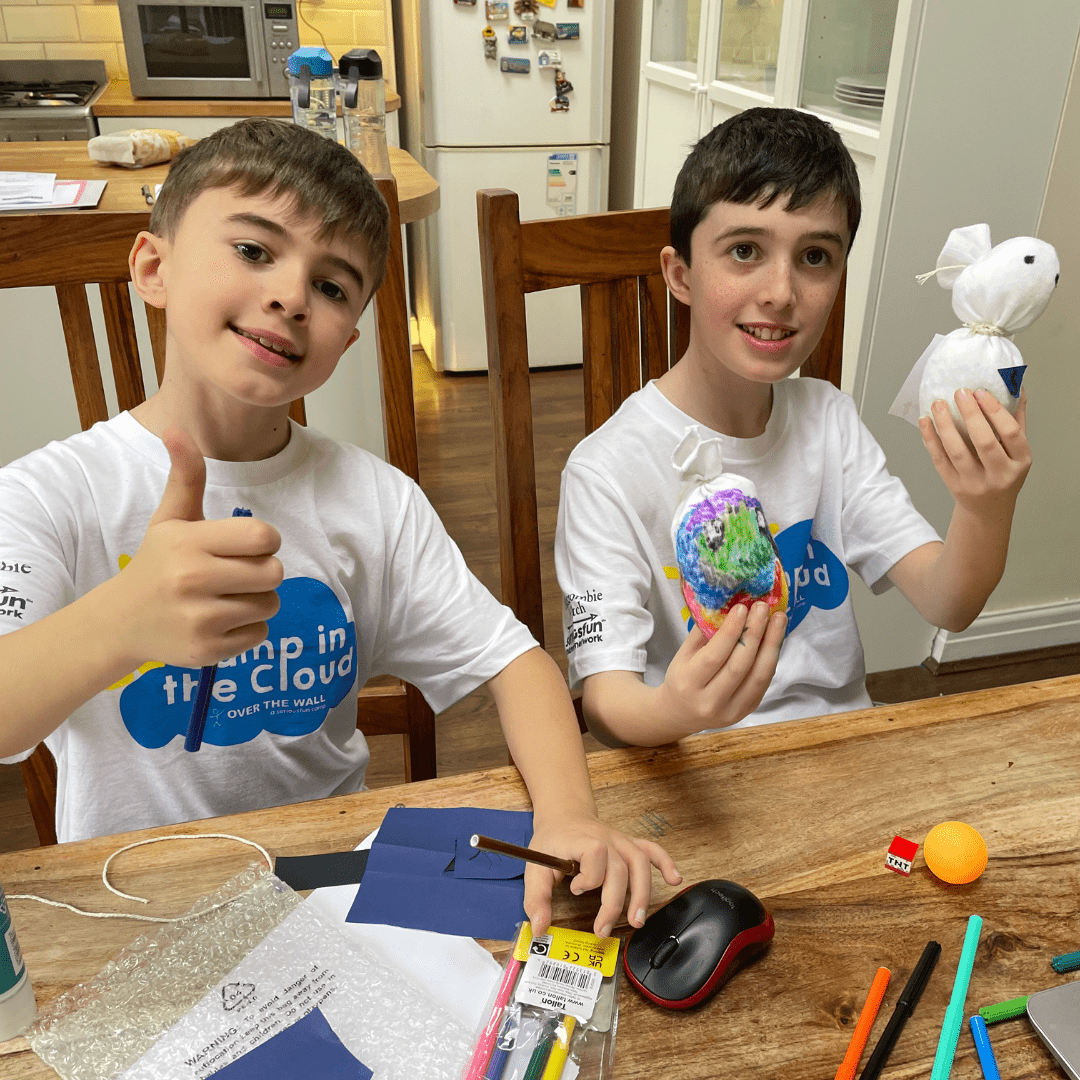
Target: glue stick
(17,1003)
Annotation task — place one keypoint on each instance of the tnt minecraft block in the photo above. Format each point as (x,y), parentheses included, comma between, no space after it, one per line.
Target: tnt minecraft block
(901,855)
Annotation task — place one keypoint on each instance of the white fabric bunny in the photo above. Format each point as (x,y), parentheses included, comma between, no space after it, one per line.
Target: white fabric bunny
(996,292)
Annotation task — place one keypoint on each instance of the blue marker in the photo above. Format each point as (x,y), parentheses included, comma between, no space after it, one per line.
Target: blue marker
(985,1050)
(201,706)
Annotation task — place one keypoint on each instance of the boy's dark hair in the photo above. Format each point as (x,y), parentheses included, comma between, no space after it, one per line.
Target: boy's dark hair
(278,158)
(757,156)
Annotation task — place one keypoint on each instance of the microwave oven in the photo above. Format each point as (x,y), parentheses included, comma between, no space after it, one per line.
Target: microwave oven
(216,49)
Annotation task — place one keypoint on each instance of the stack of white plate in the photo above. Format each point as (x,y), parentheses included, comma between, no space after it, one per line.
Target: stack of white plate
(864,92)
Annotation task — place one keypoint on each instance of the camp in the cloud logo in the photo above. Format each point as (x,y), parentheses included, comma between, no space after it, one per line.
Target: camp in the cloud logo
(286,685)
(816,577)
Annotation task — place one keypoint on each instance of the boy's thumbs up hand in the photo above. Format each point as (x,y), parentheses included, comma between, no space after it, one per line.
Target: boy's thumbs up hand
(197,591)
(183,497)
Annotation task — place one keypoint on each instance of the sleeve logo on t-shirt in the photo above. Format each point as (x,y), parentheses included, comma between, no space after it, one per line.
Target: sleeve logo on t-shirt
(583,625)
(286,685)
(816,577)
(12,605)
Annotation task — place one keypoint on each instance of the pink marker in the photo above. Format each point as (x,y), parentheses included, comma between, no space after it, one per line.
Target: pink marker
(486,1043)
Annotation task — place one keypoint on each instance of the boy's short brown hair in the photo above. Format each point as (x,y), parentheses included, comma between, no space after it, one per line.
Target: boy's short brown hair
(278,158)
(758,156)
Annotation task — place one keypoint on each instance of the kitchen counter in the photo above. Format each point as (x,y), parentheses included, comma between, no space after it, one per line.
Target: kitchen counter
(117,100)
(418,191)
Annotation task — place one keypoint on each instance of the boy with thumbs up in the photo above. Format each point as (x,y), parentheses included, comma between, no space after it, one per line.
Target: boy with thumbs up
(264,249)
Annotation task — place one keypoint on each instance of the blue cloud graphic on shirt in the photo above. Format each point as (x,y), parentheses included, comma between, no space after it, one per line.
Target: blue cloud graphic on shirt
(286,685)
(816,577)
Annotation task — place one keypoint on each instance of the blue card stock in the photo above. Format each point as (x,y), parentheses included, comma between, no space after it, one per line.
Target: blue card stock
(423,873)
(308,1050)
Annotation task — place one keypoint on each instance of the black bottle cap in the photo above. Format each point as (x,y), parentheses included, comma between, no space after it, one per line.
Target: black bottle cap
(365,62)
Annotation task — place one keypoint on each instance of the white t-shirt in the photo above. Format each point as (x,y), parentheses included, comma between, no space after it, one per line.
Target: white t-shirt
(373,585)
(822,482)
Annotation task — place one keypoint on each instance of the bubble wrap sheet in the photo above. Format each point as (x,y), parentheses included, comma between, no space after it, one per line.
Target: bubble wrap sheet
(198,994)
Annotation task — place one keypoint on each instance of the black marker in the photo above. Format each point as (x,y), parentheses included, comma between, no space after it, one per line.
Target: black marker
(905,1006)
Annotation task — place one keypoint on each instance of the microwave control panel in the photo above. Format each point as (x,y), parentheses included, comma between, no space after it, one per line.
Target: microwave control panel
(282,38)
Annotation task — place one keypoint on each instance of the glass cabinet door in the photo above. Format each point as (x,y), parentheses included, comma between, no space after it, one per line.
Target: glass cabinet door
(846,57)
(675,30)
(749,43)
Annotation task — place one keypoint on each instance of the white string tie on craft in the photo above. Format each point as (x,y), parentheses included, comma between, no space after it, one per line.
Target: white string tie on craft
(142,899)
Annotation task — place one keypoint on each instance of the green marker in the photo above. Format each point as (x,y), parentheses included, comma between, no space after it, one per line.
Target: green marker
(1005,1010)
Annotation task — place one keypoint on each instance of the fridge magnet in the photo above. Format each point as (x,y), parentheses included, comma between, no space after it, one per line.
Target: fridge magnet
(518,35)
(490,44)
(567,31)
(560,104)
(497,10)
(563,85)
(517,65)
(548,3)
(527,10)
(543,31)
(548,58)
(575,3)
(465,3)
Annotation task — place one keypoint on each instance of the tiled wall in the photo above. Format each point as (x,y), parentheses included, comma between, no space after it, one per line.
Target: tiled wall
(61,29)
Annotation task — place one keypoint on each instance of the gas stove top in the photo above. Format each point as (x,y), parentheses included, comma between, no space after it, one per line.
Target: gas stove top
(43,100)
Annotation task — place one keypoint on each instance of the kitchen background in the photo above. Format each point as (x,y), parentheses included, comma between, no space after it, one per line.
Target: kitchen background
(56,30)
(982,123)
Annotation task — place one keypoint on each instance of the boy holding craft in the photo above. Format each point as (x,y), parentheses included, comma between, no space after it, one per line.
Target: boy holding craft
(763,215)
(264,248)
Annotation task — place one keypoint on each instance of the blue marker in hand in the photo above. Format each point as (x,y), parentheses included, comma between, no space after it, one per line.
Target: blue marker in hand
(197,723)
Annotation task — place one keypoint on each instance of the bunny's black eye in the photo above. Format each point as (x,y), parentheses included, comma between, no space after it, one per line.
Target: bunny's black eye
(1029,259)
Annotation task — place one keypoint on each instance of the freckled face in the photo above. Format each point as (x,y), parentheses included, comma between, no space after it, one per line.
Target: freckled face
(259,307)
(761,284)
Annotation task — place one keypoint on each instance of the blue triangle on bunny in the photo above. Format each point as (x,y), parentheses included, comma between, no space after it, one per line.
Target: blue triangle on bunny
(1013,377)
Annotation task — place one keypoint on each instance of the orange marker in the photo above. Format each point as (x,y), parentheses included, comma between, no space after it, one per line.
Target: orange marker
(865,1023)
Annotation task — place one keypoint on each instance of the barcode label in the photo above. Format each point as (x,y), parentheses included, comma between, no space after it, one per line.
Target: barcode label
(559,986)
(567,974)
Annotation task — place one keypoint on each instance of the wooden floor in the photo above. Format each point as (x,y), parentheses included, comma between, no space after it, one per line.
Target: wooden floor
(456,470)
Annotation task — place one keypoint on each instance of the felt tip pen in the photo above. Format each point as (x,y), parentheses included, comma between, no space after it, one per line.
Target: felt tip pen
(905,1006)
(954,1014)
(501,847)
(201,705)
(556,1061)
(862,1027)
(485,1044)
(1005,1010)
(505,1041)
(544,1044)
(987,1061)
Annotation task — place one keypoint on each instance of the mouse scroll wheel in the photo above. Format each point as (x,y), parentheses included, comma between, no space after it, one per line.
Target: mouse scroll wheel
(664,953)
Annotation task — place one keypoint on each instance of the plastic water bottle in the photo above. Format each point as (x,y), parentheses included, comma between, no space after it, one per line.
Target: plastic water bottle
(363,106)
(312,91)
(17,1003)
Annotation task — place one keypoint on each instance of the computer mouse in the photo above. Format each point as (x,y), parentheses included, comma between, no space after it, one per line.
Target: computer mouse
(687,949)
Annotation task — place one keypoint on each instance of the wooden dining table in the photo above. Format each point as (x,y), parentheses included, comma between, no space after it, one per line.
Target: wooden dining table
(802,813)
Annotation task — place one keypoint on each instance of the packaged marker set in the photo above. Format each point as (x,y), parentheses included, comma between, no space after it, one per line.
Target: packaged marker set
(554,1013)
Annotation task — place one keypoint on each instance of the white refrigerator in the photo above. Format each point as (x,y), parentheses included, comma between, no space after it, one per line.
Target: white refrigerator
(474,125)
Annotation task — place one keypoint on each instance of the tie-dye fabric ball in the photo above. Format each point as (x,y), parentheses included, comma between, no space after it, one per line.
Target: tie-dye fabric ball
(726,555)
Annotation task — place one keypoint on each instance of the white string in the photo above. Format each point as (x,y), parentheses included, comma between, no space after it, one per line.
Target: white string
(140,899)
(922,279)
(989,329)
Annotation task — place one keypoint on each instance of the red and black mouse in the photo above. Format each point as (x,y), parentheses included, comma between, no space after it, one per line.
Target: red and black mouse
(690,947)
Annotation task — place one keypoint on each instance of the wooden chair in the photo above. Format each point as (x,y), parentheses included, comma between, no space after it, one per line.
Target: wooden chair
(70,251)
(632,331)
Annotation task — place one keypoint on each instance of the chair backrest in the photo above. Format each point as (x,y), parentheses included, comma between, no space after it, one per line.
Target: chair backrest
(632,331)
(70,252)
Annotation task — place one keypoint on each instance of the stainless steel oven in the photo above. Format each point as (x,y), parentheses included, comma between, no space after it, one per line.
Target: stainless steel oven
(216,49)
(49,100)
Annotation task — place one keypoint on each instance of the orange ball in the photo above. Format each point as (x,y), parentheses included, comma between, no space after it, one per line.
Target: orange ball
(955,852)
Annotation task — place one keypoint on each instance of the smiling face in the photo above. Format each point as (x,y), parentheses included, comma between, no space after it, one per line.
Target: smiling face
(260,308)
(760,285)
